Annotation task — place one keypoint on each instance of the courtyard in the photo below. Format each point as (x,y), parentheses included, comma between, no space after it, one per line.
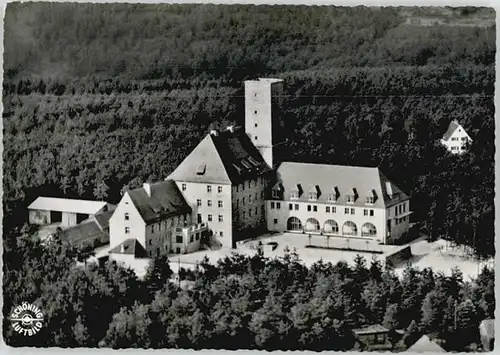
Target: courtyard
(425,254)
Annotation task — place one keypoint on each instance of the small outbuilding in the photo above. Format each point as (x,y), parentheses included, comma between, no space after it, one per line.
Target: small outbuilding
(66,212)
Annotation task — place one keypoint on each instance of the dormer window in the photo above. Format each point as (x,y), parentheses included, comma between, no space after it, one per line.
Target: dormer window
(352,196)
(371,197)
(294,194)
(200,170)
(276,193)
(313,195)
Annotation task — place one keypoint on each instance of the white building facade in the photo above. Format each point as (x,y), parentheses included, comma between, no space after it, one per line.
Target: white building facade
(456,138)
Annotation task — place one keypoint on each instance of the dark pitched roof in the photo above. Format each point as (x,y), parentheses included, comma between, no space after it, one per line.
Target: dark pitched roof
(339,180)
(240,157)
(451,129)
(130,247)
(84,231)
(225,158)
(165,201)
(102,219)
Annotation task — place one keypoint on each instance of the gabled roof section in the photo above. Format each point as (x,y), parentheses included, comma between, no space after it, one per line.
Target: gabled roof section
(347,180)
(241,159)
(130,247)
(452,127)
(425,344)
(67,205)
(203,165)
(86,231)
(278,187)
(164,202)
(102,219)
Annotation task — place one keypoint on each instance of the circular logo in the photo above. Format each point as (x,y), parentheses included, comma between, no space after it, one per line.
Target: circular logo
(26,319)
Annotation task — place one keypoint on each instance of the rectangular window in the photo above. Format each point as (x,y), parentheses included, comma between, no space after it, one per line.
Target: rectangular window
(370,200)
(404,207)
(243,187)
(198,203)
(237,203)
(219,189)
(221,218)
(249,198)
(327,209)
(184,187)
(352,210)
(315,208)
(191,238)
(296,207)
(221,234)
(197,237)
(243,201)
(219,204)
(127,230)
(275,221)
(365,212)
(150,241)
(256,211)
(209,203)
(278,205)
(209,188)
(346,211)
(371,213)
(308,208)
(244,214)
(199,217)
(249,184)
(178,238)
(127,217)
(178,250)
(272,205)
(334,209)
(256,196)
(290,206)
(210,218)
(249,212)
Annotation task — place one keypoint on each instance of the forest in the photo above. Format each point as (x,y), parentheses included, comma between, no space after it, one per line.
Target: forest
(98,98)
(240,303)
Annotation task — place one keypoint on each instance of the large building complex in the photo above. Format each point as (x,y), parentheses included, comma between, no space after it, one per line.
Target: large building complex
(231,188)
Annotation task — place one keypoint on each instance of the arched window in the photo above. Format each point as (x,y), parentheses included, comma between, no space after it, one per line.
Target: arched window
(331,226)
(349,228)
(294,224)
(312,225)
(368,230)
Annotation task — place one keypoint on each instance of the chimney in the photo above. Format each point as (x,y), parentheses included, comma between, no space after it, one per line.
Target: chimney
(214,132)
(147,187)
(388,188)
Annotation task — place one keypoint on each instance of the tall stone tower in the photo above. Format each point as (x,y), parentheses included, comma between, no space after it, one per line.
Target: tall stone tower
(263,124)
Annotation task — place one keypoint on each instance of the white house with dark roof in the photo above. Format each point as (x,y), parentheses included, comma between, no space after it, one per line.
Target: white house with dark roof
(456,138)
(157,216)
(343,201)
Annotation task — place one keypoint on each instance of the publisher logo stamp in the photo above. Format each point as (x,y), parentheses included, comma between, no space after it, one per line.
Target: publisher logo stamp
(26,319)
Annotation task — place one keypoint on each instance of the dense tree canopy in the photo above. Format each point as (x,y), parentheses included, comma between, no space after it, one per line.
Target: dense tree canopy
(99,98)
(240,303)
